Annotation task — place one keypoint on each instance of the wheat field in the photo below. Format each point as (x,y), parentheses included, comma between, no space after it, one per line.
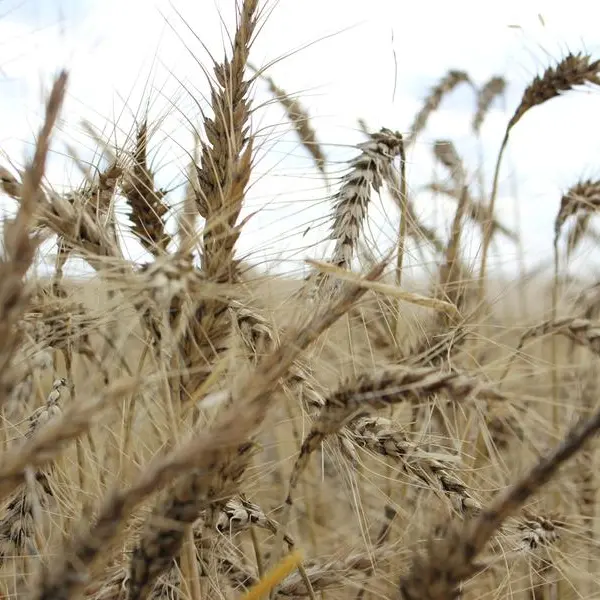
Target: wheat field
(195,427)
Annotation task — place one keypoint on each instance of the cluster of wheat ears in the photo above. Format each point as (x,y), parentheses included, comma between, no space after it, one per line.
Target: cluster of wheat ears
(191,429)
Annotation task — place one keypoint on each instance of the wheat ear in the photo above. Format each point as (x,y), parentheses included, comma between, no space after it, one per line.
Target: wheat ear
(379,436)
(239,514)
(372,392)
(399,194)
(447,154)
(48,441)
(490,90)
(445,86)
(352,200)
(582,197)
(225,162)
(582,331)
(219,189)
(148,208)
(579,231)
(300,119)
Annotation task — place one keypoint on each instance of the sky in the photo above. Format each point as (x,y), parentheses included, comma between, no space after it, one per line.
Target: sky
(345,60)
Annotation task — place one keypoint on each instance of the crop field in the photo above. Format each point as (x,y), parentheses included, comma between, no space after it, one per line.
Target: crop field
(195,426)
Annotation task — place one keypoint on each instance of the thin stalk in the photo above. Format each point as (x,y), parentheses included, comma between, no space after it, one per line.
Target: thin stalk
(489,229)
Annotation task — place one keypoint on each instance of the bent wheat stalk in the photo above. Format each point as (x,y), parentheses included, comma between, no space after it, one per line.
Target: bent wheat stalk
(386,289)
(571,71)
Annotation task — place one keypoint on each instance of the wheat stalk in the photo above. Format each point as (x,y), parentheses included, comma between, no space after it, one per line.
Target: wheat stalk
(186,222)
(452,271)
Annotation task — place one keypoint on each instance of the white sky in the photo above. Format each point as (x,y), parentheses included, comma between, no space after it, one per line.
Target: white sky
(347,59)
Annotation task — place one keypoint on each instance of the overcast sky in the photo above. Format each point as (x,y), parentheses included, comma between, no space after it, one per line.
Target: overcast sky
(346,59)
